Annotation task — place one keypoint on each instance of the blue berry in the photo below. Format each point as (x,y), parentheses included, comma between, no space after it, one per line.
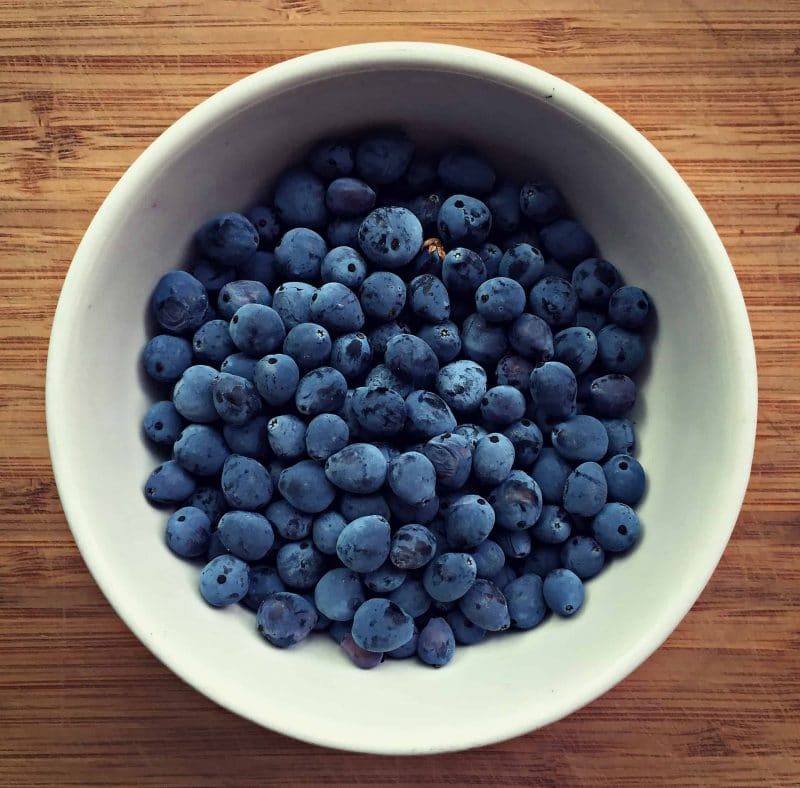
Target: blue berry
(505,575)
(408,649)
(585,490)
(542,560)
(425,207)
(500,300)
(620,350)
(482,341)
(451,457)
(212,276)
(436,643)
(249,438)
(257,329)
(517,501)
(541,201)
(525,598)
(403,513)
(345,265)
(326,434)
(464,221)
(449,576)
(201,450)
(245,482)
(169,483)
(228,239)
(567,241)
(390,236)
(464,170)
(412,547)
(235,399)
(429,299)
(503,202)
(276,377)
(240,292)
(382,157)
(625,478)
(212,342)
(514,371)
(621,436)
(489,558)
(580,439)
(285,618)
(526,233)
(412,478)
(550,472)
(429,258)
(179,302)
(576,347)
(612,395)
(188,532)
(485,606)
(554,525)
(290,523)
(320,391)
(309,344)
(469,522)
(305,486)
(583,556)
(527,440)
(629,307)
(594,281)
(412,359)
(264,580)
(337,308)
(384,579)
(383,296)
(381,625)
(444,339)
(300,565)
(502,405)
(472,432)
(360,657)
(493,458)
(343,232)
(491,254)
(427,415)
(292,301)
(300,253)
(239,364)
(265,220)
(462,385)
(553,388)
(531,337)
(421,173)
(563,592)
(464,631)
(349,197)
(411,597)
(325,531)
(380,336)
(515,544)
(300,199)
(224,580)
(209,500)
(554,300)
(358,468)
(592,319)
(522,263)
(165,358)
(246,535)
(162,423)
(287,436)
(462,271)
(380,411)
(261,267)
(339,594)
(331,159)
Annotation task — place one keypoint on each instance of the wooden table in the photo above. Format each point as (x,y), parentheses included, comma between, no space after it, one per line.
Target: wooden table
(87,85)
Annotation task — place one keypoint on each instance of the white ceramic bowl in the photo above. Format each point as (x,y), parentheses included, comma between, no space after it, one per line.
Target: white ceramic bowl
(696,415)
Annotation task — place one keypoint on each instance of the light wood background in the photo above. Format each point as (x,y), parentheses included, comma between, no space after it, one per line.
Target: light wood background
(85,85)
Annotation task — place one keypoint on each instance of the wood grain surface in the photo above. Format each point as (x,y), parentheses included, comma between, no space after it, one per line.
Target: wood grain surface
(86,85)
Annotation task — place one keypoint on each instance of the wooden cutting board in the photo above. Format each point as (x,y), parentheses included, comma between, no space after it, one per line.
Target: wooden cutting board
(86,85)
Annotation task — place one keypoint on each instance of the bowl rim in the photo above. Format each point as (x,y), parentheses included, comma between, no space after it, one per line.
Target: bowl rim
(400,55)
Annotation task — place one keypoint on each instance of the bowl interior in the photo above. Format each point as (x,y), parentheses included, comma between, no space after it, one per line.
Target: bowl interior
(693,416)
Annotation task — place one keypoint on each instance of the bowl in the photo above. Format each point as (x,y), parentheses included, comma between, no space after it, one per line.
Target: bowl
(696,418)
